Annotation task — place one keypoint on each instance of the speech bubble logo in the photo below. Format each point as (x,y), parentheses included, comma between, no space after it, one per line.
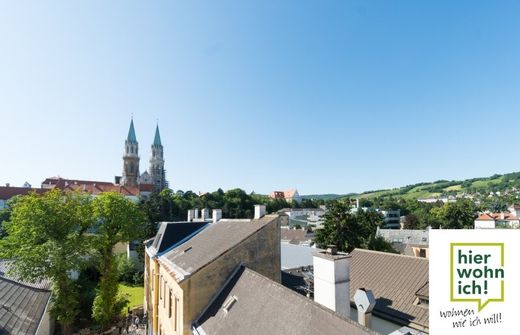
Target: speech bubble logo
(477,273)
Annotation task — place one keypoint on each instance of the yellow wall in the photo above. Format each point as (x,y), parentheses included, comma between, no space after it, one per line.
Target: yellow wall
(260,252)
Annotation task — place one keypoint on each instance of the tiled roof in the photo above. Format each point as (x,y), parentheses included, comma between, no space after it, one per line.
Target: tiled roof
(9,192)
(22,306)
(496,216)
(43,284)
(296,236)
(210,243)
(394,280)
(288,194)
(253,304)
(89,186)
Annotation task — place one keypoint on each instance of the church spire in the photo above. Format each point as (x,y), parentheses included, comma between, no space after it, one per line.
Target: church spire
(131,132)
(157,138)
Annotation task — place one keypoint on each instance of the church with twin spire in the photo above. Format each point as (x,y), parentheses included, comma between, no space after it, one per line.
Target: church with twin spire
(156,175)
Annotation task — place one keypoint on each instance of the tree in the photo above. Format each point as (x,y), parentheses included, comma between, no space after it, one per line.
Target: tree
(456,215)
(410,221)
(46,239)
(340,228)
(378,243)
(116,219)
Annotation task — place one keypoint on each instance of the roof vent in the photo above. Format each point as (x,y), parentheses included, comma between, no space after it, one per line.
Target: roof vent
(332,250)
(229,303)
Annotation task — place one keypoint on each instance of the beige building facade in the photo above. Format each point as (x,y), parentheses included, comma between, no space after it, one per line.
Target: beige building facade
(181,281)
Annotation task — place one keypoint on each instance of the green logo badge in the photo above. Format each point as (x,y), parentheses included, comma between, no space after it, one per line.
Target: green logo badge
(477,273)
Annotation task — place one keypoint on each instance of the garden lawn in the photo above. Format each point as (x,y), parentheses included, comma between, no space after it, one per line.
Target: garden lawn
(136,294)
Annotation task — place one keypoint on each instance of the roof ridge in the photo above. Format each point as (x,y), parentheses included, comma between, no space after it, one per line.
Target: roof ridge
(389,254)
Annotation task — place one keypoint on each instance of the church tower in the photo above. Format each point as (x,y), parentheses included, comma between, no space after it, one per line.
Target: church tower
(131,159)
(157,163)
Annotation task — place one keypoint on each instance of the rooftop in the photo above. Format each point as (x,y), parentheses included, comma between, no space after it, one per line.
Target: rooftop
(405,236)
(22,305)
(170,234)
(209,244)
(248,295)
(7,192)
(395,280)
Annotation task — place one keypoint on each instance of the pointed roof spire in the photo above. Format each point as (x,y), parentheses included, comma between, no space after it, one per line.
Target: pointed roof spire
(131,132)
(157,138)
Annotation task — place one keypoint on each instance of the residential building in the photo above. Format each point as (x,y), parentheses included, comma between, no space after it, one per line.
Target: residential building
(250,303)
(302,236)
(24,306)
(288,195)
(95,188)
(302,216)
(411,242)
(398,282)
(392,219)
(182,280)
(7,192)
(497,220)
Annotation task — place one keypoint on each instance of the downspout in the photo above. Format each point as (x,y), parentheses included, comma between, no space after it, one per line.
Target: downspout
(155,324)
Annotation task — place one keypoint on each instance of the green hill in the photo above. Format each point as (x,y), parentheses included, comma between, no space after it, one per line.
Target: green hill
(440,188)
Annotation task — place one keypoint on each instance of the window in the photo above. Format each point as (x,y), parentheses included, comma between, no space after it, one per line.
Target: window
(170,305)
(160,286)
(164,292)
(422,253)
(176,314)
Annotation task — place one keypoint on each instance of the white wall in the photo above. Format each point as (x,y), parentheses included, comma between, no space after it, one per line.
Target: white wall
(484,224)
(332,284)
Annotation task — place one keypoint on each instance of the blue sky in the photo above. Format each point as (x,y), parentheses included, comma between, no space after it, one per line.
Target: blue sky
(324,96)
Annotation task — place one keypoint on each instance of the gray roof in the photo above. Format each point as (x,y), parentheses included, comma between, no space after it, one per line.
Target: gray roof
(44,284)
(22,306)
(262,306)
(405,236)
(396,280)
(210,243)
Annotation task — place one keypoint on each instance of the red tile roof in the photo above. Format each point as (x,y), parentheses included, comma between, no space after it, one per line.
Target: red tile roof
(9,192)
(88,186)
(496,216)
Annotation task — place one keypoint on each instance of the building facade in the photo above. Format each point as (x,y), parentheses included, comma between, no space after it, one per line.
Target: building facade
(183,279)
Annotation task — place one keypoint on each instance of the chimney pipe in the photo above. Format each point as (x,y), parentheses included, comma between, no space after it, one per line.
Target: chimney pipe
(217,215)
(205,214)
(259,211)
(191,215)
(365,302)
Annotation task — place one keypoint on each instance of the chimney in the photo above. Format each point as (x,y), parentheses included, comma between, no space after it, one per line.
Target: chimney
(332,280)
(7,184)
(205,214)
(365,302)
(117,180)
(502,215)
(259,211)
(191,215)
(217,215)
